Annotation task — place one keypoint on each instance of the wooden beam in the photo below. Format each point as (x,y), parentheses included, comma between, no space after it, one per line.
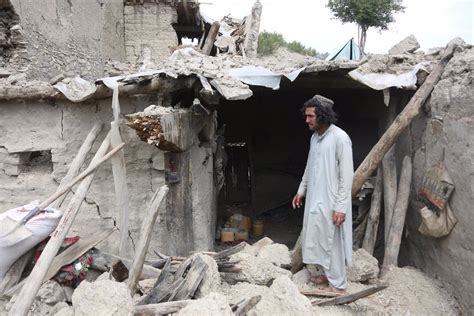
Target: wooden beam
(161,308)
(45,91)
(392,247)
(402,121)
(374,215)
(156,204)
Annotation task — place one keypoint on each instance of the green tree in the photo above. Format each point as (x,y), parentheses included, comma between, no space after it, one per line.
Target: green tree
(366,14)
(268,42)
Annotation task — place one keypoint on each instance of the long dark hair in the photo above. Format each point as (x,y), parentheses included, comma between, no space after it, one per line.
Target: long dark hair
(323,107)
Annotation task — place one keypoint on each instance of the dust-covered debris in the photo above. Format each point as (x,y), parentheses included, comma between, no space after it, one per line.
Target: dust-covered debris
(104,297)
(255,270)
(214,304)
(278,254)
(364,267)
(408,45)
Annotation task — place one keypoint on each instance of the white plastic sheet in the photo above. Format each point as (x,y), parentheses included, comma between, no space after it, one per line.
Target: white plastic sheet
(76,90)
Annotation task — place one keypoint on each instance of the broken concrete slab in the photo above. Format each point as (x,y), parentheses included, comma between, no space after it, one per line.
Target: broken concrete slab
(255,270)
(278,254)
(364,267)
(104,297)
(408,45)
(301,278)
(282,298)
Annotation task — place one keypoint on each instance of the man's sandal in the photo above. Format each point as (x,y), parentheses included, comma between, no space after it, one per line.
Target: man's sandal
(332,289)
(318,280)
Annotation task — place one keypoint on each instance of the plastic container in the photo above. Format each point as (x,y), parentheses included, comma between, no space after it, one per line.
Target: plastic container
(257,228)
(227,235)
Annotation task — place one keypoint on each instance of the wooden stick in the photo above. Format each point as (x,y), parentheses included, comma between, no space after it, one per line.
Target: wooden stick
(404,119)
(389,167)
(229,252)
(28,293)
(346,299)
(374,215)
(119,170)
(160,309)
(78,161)
(157,203)
(393,245)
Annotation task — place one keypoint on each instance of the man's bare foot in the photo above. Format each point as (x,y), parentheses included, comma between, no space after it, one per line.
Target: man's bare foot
(318,280)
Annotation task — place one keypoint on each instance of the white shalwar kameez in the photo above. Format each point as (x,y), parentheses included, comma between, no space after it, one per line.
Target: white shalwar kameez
(327,183)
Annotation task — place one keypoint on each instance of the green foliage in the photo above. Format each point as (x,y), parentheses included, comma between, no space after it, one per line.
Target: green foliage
(268,42)
(366,13)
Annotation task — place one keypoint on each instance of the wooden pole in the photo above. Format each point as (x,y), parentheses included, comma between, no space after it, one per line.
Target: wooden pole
(402,121)
(28,293)
(392,247)
(157,203)
(297,256)
(78,161)
(119,170)
(211,38)
(374,215)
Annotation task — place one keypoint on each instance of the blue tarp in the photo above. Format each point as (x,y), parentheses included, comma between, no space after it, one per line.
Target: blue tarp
(349,50)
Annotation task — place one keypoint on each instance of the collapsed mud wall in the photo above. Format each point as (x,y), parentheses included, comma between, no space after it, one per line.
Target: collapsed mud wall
(73,38)
(148,31)
(445,126)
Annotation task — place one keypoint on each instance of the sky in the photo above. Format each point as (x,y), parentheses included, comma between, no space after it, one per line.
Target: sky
(433,22)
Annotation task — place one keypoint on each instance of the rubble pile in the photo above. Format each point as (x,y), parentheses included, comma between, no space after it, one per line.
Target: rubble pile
(241,280)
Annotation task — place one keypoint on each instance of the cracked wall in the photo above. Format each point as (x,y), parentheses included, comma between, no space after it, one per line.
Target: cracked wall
(446,127)
(73,38)
(60,128)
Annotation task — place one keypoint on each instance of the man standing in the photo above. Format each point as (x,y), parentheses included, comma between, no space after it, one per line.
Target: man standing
(326,186)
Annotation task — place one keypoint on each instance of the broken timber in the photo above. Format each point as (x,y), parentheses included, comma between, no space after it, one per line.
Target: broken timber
(349,298)
(374,215)
(402,121)
(45,91)
(156,204)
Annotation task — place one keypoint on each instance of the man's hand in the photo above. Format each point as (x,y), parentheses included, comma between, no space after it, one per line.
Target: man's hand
(297,201)
(338,218)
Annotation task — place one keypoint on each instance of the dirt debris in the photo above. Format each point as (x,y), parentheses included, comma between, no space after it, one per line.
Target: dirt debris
(364,267)
(214,304)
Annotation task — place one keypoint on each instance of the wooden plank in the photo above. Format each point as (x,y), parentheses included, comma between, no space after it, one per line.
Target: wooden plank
(392,247)
(349,298)
(229,252)
(243,307)
(28,292)
(157,203)
(165,279)
(402,121)
(192,281)
(374,215)
(119,170)
(79,160)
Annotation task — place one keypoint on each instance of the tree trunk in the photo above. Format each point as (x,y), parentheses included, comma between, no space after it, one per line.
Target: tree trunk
(362,38)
